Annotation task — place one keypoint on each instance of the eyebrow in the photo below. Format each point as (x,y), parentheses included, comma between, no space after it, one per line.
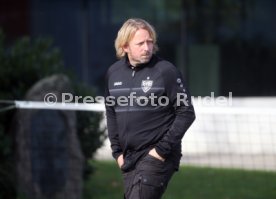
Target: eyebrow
(138,42)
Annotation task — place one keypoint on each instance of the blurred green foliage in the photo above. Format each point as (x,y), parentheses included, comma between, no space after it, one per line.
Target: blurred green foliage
(22,64)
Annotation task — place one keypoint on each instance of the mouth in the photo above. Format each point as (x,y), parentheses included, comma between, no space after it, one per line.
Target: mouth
(146,55)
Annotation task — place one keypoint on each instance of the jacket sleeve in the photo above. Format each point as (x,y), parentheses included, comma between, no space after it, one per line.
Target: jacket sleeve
(112,125)
(180,100)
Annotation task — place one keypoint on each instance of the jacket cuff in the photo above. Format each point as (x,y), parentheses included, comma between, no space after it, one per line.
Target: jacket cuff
(116,155)
(162,152)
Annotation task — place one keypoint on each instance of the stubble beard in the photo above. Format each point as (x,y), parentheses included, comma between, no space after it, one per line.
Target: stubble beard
(145,59)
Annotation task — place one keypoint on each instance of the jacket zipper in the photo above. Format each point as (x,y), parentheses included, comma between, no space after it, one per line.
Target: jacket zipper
(133,71)
(127,113)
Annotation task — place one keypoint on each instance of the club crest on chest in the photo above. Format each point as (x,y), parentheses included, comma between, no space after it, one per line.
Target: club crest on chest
(146,85)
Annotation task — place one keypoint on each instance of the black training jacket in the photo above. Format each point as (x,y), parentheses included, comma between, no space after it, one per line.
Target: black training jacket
(147,106)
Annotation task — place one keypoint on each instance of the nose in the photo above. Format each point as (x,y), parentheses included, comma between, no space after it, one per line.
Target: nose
(146,46)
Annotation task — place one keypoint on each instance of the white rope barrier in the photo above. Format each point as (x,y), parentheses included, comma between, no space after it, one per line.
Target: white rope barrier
(100,107)
(97,107)
(235,110)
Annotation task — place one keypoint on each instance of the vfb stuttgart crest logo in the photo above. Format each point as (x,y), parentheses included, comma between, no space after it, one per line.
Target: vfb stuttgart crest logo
(146,85)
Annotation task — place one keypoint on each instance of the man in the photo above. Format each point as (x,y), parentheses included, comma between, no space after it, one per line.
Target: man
(148,111)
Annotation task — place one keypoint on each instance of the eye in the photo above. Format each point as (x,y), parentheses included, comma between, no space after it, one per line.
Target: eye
(140,43)
(150,42)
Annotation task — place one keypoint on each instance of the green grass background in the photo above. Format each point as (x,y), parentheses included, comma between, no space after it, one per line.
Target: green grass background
(188,183)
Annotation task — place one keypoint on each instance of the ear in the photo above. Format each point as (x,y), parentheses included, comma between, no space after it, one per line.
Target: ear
(125,48)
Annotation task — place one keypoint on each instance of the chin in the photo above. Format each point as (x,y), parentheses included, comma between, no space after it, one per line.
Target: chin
(145,60)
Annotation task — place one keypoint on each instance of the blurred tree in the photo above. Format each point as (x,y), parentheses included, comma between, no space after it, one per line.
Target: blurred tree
(21,65)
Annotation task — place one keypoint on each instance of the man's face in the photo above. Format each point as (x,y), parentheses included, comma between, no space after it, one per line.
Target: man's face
(140,48)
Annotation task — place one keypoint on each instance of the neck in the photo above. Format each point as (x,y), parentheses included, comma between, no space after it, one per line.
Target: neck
(133,64)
